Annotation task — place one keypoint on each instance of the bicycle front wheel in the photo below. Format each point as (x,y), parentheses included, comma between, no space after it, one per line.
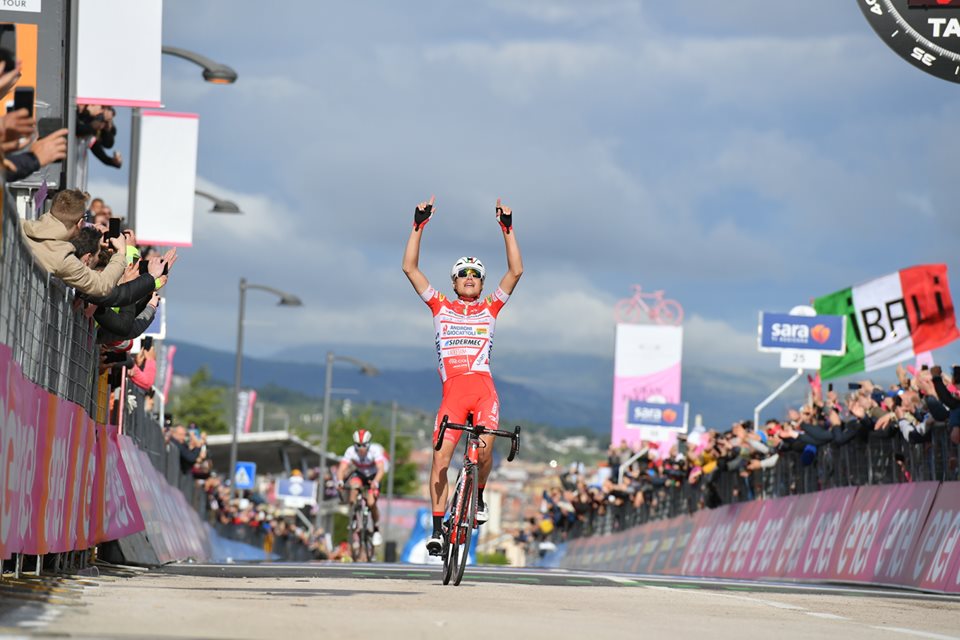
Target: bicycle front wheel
(450,546)
(627,311)
(368,537)
(468,519)
(356,534)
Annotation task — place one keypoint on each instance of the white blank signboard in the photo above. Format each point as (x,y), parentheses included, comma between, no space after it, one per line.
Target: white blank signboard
(166,178)
(118,52)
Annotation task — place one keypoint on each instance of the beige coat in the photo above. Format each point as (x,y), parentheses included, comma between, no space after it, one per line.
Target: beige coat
(49,239)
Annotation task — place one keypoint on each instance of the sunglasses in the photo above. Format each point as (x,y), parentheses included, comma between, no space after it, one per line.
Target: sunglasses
(465,273)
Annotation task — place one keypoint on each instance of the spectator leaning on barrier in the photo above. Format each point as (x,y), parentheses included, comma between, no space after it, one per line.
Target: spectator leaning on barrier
(49,240)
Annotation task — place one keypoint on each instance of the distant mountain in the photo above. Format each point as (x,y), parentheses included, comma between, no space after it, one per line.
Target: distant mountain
(561,390)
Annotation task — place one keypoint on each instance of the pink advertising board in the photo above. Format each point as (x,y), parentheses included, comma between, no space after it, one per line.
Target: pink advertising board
(935,562)
(647,365)
(58,473)
(885,524)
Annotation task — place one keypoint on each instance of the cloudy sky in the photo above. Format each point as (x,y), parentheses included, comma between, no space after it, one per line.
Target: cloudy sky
(743,155)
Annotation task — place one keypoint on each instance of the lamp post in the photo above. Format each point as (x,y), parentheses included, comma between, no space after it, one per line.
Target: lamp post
(213,72)
(286,300)
(219,205)
(367,369)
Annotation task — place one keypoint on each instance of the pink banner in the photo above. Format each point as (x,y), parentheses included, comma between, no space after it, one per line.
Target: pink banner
(935,562)
(172,526)
(904,535)
(53,470)
(884,525)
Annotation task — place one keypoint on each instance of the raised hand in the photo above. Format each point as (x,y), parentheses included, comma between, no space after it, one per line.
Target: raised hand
(504,217)
(423,213)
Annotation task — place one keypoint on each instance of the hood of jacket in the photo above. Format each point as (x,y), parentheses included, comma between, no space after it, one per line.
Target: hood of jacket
(46,227)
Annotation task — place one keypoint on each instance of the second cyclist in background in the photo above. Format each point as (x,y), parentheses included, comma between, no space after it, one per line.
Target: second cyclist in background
(361,469)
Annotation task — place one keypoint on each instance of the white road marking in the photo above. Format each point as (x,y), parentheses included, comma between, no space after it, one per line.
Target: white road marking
(914,632)
(825,616)
(769,603)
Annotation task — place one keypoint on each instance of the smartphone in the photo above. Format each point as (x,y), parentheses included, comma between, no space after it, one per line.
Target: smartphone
(924,367)
(23,99)
(144,266)
(147,342)
(829,386)
(46,126)
(8,59)
(956,374)
(114,231)
(853,386)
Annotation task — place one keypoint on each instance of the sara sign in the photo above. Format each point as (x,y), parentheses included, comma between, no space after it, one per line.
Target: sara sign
(823,334)
(651,414)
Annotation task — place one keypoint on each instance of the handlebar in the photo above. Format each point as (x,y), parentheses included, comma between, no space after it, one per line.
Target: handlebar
(480,430)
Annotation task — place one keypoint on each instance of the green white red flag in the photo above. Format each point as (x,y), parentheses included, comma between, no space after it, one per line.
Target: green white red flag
(891,319)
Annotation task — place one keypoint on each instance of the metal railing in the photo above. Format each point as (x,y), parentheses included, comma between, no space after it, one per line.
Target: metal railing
(881,457)
(53,343)
(55,347)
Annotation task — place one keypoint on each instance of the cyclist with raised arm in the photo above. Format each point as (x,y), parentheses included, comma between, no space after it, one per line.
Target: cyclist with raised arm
(463,328)
(361,468)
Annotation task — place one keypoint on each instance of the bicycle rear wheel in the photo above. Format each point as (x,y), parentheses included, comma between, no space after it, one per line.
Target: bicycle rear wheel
(468,519)
(628,311)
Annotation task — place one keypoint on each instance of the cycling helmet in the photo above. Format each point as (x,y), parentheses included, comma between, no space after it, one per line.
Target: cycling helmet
(362,438)
(468,262)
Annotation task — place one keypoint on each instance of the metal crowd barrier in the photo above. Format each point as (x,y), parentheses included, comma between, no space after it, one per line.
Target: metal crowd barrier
(55,346)
(880,458)
(287,548)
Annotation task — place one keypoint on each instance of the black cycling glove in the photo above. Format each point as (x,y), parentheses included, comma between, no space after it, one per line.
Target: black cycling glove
(505,220)
(422,216)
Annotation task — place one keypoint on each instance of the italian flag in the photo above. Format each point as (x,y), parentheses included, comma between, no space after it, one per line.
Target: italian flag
(891,319)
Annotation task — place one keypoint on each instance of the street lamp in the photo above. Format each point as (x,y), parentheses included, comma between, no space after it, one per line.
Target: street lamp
(286,300)
(213,72)
(219,205)
(367,369)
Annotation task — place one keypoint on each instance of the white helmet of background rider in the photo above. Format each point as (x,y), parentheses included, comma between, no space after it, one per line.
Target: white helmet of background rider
(468,262)
(362,438)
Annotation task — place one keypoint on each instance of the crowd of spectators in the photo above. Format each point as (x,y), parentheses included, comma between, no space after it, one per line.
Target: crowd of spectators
(907,431)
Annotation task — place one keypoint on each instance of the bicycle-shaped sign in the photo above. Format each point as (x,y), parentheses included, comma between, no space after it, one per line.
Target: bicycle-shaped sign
(636,309)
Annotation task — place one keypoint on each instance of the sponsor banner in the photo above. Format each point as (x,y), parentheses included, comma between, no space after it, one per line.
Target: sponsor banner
(121,515)
(935,562)
(816,526)
(871,535)
(884,526)
(63,487)
(647,364)
(782,331)
(657,421)
(173,528)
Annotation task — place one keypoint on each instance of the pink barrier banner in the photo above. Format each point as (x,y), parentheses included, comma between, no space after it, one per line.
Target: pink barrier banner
(935,562)
(61,486)
(173,528)
(904,535)
(883,527)
(121,515)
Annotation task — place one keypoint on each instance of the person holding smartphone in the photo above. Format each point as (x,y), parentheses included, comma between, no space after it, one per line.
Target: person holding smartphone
(463,335)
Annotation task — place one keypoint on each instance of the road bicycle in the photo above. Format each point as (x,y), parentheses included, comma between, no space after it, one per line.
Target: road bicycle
(361,529)
(635,309)
(459,526)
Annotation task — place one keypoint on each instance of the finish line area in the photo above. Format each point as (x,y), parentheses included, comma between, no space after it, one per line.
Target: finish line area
(408,601)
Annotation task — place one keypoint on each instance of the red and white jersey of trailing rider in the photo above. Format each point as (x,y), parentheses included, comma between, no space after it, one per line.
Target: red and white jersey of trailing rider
(464,331)
(366,464)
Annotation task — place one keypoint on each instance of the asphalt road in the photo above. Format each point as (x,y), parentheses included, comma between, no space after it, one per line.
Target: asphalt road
(396,601)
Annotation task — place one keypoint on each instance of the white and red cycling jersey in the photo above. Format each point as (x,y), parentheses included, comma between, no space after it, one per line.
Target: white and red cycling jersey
(464,331)
(366,465)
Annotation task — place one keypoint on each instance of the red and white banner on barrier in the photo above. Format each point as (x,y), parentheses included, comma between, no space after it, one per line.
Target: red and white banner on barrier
(62,484)
(905,535)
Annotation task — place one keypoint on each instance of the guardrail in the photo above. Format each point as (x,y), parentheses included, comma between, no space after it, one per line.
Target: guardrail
(68,489)
(882,458)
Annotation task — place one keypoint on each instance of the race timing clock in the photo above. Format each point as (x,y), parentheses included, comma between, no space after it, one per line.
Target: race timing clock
(925,33)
